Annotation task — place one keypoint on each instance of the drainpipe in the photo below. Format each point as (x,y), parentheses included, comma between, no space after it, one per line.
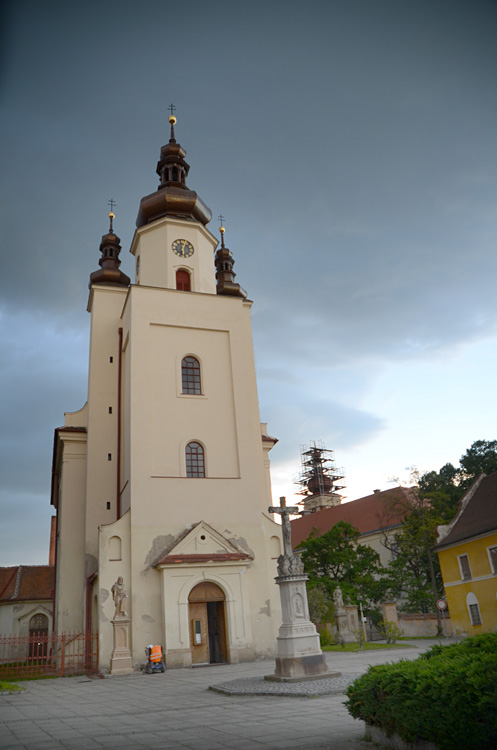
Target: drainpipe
(118,478)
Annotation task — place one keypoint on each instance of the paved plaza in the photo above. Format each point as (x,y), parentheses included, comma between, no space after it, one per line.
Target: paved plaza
(177,710)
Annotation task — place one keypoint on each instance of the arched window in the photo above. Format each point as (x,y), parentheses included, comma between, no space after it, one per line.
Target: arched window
(190,376)
(38,624)
(183,280)
(473,608)
(195,464)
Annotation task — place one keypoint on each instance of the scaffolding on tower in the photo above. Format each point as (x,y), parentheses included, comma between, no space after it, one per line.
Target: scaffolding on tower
(319,478)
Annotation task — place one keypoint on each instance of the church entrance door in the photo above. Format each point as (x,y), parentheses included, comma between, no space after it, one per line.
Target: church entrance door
(207,624)
(38,637)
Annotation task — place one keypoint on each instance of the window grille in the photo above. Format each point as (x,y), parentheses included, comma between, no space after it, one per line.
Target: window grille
(190,376)
(474,613)
(195,465)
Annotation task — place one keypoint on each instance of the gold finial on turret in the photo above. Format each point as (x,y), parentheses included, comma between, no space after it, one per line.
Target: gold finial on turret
(112,215)
(221,228)
(172,119)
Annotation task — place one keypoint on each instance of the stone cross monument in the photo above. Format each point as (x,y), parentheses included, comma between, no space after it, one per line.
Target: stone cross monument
(299,651)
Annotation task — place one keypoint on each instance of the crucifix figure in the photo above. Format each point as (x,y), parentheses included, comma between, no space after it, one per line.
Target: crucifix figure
(285,512)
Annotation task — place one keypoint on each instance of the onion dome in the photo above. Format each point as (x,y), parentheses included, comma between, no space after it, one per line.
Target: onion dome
(109,272)
(225,276)
(172,197)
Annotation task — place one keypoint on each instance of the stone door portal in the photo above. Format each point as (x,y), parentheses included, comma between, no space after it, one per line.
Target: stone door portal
(207,624)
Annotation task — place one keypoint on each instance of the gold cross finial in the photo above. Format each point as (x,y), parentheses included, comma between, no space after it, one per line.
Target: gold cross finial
(112,215)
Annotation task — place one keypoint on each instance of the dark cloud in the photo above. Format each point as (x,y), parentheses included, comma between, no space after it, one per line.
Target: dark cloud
(351,147)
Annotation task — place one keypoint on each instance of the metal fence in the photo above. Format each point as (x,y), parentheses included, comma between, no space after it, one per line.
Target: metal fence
(373,632)
(41,654)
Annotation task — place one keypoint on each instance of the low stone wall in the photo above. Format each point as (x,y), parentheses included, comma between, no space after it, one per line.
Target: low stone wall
(419,624)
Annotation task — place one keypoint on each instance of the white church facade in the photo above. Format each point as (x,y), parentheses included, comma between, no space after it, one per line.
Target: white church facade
(162,478)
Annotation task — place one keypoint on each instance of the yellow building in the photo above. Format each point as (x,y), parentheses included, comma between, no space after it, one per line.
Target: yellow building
(467,550)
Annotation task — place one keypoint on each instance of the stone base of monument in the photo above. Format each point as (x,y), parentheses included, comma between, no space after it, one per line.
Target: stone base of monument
(301,669)
(121,661)
(345,635)
(299,655)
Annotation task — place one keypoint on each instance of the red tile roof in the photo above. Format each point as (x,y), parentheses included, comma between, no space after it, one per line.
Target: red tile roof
(202,558)
(477,513)
(380,510)
(26,582)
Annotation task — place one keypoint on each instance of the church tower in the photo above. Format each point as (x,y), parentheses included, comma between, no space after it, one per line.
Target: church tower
(162,479)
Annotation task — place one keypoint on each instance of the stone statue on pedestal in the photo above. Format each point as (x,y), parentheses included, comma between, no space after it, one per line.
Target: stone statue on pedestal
(119,595)
(121,661)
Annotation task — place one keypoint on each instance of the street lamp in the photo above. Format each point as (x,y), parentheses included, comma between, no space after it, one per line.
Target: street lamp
(359,599)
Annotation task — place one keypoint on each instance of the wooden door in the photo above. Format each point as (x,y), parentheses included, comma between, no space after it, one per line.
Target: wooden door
(199,632)
(207,624)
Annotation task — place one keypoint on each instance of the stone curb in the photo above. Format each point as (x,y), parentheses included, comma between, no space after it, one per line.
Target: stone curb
(307,689)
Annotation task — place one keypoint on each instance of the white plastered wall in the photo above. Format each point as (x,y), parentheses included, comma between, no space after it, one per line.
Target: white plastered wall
(111,566)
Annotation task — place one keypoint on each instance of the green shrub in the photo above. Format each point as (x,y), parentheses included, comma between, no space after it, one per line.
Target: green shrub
(447,696)
(390,630)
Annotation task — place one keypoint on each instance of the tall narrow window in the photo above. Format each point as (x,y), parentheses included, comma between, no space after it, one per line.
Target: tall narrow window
(474,612)
(464,566)
(183,280)
(473,608)
(195,465)
(190,376)
(492,554)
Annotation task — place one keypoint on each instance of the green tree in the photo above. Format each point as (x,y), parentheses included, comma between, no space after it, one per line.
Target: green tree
(445,488)
(480,458)
(336,558)
(321,607)
(414,572)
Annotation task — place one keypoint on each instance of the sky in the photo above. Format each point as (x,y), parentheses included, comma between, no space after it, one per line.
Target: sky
(351,146)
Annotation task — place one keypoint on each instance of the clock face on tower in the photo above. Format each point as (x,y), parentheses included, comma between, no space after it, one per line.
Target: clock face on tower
(183,248)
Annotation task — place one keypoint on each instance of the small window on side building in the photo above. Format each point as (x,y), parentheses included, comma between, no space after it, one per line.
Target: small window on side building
(464,567)
(492,554)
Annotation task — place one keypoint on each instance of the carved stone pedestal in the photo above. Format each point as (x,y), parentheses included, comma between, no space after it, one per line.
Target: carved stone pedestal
(299,651)
(345,634)
(121,661)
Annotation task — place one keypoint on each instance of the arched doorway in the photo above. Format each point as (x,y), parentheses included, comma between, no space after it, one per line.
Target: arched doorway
(207,624)
(38,636)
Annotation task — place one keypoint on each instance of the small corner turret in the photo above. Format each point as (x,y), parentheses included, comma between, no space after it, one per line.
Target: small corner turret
(172,198)
(225,276)
(110,248)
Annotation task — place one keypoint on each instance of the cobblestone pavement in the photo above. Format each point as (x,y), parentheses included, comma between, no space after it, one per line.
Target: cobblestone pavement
(176,710)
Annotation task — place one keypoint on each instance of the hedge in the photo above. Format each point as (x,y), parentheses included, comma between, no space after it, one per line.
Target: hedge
(447,696)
